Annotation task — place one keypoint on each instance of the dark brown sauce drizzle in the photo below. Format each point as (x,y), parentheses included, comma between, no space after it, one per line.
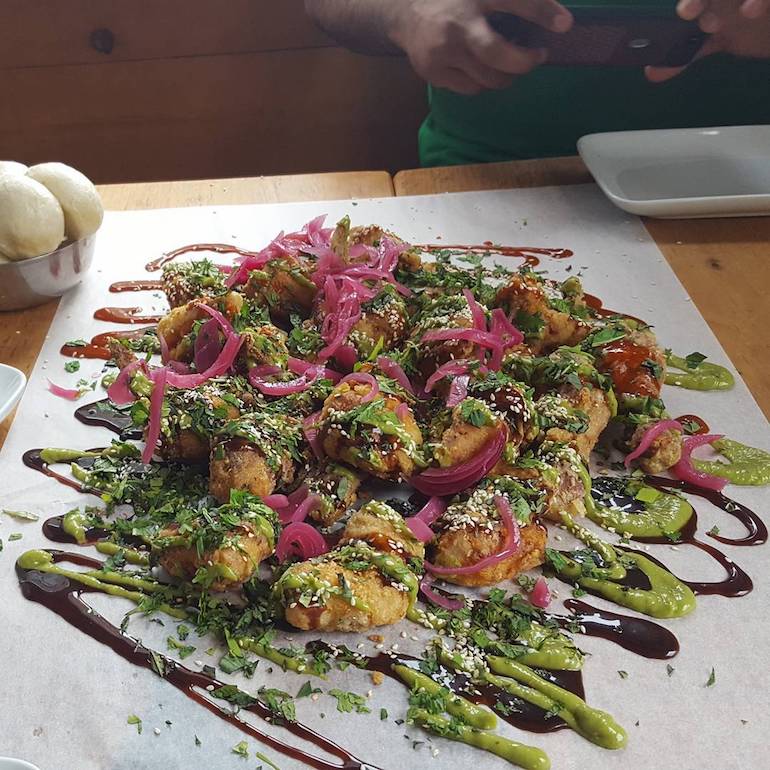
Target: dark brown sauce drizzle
(217,248)
(32,459)
(126,315)
(105,414)
(637,635)
(99,345)
(737,582)
(530,254)
(755,527)
(139,285)
(61,596)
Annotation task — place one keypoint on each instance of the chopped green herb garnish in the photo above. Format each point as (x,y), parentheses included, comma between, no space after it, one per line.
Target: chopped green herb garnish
(669,669)
(241,749)
(694,360)
(72,366)
(348,702)
(712,678)
(134,720)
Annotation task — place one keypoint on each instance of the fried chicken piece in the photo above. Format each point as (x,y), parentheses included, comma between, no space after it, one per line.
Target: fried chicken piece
(352,588)
(175,328)
(577,418)
(263,345)
(258,452)
(193,417)
(284,286)
(445,312)
(557,472)
(384,317)
(472,530)
(368,434)
(473,426)
(537,307)
(221,550)
(120,354)
(664,452)
(186,281)
(230,565)
(635,363)
(337,487)
(383,528)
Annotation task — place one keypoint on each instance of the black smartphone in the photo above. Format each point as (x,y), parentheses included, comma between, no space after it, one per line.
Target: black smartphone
(612,35)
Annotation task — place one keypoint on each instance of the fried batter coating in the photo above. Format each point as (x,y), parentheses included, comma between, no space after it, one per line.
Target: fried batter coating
(186,281)
(337,487)
(473,426)
(635,363)
(220,551)
(448,311)
(664,452)
(369,435)
(234,561)
(284,286)
(262,345)
(176,327)
(556,471)
(550,315)
(193,417)
(258,452)
(577,419)
(352,588)
(383,323)
(384,529)
(377,602)
(472,530)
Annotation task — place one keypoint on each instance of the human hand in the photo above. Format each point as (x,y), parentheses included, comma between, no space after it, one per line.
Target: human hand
(451,44)
(739,27)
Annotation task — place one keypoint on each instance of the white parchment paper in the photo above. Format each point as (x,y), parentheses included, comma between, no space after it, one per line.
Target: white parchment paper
(65,699)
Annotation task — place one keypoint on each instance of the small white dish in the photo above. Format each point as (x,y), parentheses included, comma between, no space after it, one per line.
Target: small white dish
(12,383)
(9,763)
(683,172)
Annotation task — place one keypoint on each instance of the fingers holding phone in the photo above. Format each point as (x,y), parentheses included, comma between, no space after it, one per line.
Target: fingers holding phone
(451,44)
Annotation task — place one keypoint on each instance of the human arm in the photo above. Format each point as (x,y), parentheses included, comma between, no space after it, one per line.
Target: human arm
(738,27)
(450,43)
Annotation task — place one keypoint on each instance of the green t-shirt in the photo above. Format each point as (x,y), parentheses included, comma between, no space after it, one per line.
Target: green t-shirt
(545,112)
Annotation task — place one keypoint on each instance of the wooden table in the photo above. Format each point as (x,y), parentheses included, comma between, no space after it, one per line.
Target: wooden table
(22,333)
(724,264)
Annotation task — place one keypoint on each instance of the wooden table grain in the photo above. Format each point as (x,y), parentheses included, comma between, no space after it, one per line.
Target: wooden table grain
(22,333)
(724,264)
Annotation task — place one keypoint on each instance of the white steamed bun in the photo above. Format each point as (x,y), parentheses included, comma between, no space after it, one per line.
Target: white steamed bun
(12,167)
(31,219)
(82,206)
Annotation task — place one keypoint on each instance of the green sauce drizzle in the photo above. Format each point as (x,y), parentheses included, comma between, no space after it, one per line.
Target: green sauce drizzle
(664,514)
(748,466)
(528,757)
(594,725)
(457,706)
(704,376)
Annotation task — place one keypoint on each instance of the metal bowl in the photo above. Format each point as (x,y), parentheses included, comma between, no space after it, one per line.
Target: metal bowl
(29,282)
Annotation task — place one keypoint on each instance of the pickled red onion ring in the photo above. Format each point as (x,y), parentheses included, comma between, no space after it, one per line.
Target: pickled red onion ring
(301,540)
(540,596)
(393,370)
(154,420)
(450,481)
(439,599)
(68,393)
(685,471)
(649,436)
(458,391)
(366,379)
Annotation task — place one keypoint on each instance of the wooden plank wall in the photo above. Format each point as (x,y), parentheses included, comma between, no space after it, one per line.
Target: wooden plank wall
(141,90)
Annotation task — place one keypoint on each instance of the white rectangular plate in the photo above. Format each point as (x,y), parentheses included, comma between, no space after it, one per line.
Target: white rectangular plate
(65,698)
(683,172)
